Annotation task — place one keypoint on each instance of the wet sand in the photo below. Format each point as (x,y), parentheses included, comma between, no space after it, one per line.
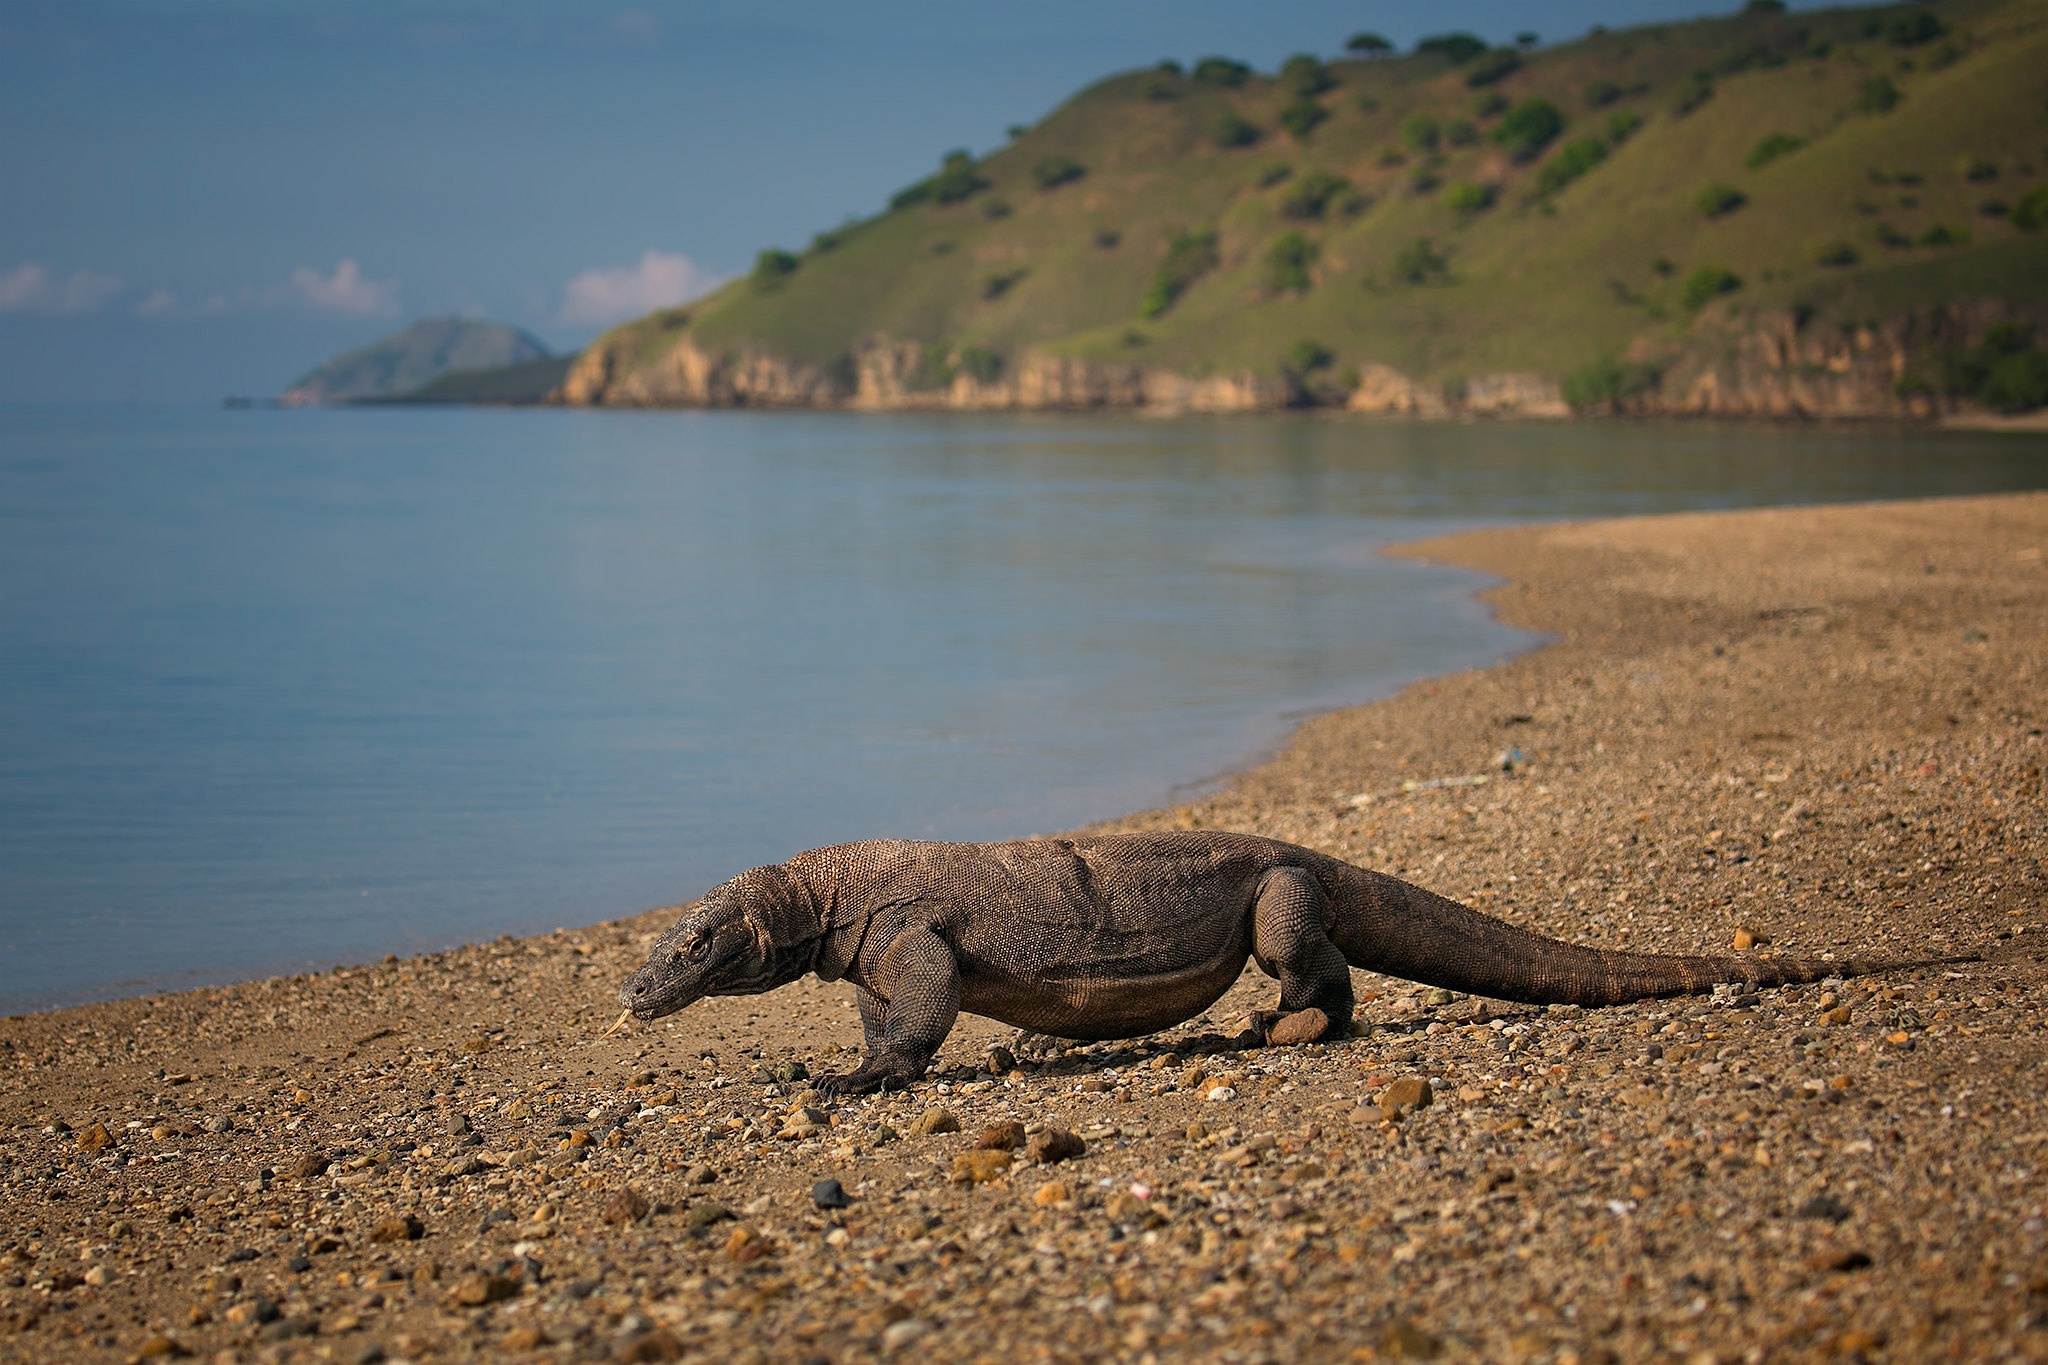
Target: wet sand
(1805,731)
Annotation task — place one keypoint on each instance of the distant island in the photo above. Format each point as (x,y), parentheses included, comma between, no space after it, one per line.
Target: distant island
(1832,213)
(437,360)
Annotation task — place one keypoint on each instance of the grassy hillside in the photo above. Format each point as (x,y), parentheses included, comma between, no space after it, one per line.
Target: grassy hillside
(528,381)
(1549,211)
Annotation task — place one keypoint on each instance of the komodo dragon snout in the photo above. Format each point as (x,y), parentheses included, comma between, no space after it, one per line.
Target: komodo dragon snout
(723,945)
(1115,936)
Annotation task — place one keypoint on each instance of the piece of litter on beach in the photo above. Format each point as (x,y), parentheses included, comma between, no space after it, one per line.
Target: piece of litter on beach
(1436,783)
(617,1024)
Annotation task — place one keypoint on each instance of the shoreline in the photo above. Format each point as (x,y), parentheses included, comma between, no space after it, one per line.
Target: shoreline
(1818,726)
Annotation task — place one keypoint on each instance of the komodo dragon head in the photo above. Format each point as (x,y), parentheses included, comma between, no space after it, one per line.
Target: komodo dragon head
(747,935)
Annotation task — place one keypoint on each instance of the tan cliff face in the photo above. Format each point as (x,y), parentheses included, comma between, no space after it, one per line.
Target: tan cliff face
(1772,365)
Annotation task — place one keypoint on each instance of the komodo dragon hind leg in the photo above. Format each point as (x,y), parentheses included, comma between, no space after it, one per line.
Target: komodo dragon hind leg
(1289,944)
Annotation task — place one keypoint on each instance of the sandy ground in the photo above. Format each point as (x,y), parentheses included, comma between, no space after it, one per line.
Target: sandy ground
(1820,730)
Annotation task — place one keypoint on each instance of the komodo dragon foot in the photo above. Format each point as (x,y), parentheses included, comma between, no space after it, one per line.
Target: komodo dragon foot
(1278,1028)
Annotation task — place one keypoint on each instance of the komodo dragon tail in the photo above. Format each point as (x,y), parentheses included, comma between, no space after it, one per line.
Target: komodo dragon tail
(1386,925)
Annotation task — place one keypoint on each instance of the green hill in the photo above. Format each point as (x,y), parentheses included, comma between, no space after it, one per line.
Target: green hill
(1833,212)
(408,360)
(529,381)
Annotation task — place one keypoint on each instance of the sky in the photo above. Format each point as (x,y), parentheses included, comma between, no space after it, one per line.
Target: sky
(208,197)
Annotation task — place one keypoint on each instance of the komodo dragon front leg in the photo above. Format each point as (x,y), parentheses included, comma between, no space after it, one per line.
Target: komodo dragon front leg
(1290,942)
(908,1003)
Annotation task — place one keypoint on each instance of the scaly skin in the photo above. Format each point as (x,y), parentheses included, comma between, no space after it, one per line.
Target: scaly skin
(1118,936)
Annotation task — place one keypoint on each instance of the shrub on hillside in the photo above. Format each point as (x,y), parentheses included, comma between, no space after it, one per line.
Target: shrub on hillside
(1053,171)
(957,179)
(1456,48)
(1306,356)
(1607,382)
(1469,198)
(772,267)
(1623,125)
(995,286)
(1459,133)
(1222,71)
(1573,160)
(2017,383)
(1312,194)
(2005,371)
(1159,87)
(1189,256)
(1287,264)
(1878,96)
(1370,44)
(1695,92)
(1421,133)
(1419,262)
(1914,28)
(1706,284)
(1301,117)
(1941,234)
(1836,254)
(984,365)
(1600,94)
(995,210)
(1489,104)
(1771,148)
(2030,214)
(1493,66)
(1718,200)
(1528,128)
(1229,130)
(1304,75)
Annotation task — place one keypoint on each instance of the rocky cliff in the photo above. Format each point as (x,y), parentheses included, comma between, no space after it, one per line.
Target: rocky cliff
(1777,365)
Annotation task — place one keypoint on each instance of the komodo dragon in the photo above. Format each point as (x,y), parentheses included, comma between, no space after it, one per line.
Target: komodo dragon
(1117,936)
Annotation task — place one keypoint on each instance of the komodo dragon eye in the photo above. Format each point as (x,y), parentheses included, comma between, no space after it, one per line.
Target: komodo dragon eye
(695,949)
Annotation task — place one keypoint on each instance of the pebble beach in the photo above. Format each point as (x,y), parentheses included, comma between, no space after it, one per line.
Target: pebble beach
(1812,732)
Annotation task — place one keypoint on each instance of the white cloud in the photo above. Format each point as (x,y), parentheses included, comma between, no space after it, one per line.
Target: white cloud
(660,280)
(345,292)
(160,303)
(86,291)
(22,286)
(29,288)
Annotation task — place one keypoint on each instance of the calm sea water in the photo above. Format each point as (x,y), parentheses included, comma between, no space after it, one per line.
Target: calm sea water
(283,689)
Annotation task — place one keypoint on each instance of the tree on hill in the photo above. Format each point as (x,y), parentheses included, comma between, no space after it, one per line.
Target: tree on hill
(1288,261)
(1230,130)
(1053,171)
(1457,48)
(1304,76)
(1528,128)
(1189,256)
(1368,44)
(1222,71)
(772,267)
(1310,196)
(1492,67)
(958,178)
(1301,117)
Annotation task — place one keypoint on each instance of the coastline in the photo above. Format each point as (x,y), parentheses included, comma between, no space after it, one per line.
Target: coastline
(1818,725)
